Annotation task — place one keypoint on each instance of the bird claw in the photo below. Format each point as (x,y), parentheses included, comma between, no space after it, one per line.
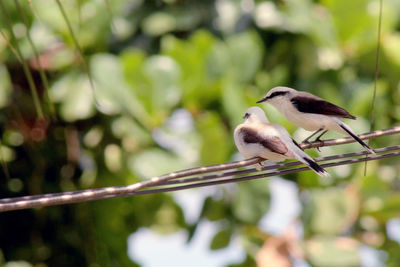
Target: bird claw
(305,142)
(322,143)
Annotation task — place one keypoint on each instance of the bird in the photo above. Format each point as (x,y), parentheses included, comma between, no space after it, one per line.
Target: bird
(311,112)
(256,137)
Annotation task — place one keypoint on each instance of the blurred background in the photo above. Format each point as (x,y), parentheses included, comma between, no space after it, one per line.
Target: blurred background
(98,93)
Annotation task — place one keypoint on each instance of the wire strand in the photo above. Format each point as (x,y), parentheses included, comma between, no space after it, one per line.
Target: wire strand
(120,191)
(252,177)
(279,166)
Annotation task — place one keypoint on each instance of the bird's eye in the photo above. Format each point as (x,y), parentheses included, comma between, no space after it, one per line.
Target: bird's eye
(246,116)
(274,94)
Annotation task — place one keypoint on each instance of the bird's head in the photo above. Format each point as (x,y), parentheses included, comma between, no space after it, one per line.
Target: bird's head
(255,114)
(277,95)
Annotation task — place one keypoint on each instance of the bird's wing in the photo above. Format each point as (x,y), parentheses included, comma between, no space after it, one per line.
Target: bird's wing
(297,144)
(308,103)
(273,143)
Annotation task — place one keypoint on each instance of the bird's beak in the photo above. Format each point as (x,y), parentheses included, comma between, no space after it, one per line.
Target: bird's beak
(265,98)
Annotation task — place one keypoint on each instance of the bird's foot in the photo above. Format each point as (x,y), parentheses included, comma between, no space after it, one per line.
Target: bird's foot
(305,142)
(258,166)
(318,139)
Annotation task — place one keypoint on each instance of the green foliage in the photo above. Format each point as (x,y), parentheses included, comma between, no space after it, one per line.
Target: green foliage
(251,201)
(221,239)
(340,251)
(214,135)
(152,60)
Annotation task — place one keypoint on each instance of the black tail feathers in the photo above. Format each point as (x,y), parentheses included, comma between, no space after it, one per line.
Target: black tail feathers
(357,138)
(315,167)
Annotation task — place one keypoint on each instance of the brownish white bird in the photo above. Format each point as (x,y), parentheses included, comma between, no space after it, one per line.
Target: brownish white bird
(311,112)
(256,137)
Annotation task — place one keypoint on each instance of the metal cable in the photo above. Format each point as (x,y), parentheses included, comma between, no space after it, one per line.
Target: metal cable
(119,191)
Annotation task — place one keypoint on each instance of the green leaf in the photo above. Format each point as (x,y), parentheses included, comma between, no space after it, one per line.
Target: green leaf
(221,239)
(383,208)
(390,48)
(234,102)
(246,53)
(215,138)
(213,209)
(159,23)
(354,13)
(164,74)
(331,251)
(252,201)
(154,162)
(193,55)
(132,135)
(74,93)
(331,210)
(112,91)
(133,61)
(5,86)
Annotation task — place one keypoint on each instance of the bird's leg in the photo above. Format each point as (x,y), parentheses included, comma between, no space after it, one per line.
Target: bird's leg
(318,139)
(261,164)
(258,166)
(308,138)
(319,136)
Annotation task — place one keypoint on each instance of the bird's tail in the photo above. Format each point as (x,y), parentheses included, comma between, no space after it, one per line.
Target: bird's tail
(314,166)
(307,160)
(352,134)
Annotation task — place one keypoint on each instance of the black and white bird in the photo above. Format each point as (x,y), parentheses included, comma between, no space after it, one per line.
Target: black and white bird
(311,112)
(256,137)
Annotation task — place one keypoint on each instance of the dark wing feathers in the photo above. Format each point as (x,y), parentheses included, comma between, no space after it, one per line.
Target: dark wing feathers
(272,143)
(319,106)
(297,144)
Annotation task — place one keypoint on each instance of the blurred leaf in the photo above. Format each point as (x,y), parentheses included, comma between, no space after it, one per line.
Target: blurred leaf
(113,93)
(133,61)
(169,218)
(132,135)
(154,162)
(74,93)
(193,56)
(372,186)
(213,209)
(89,21)
(50,14)
(218,61)
(353,13)
(331,251)
(5,86)
(390,48)
(221,239)
(252,201)
(383,208)
(234,102)
(164,75)
(7,154)
(248,261)
(159,23)
(246,53)
(332,210)
(215,148)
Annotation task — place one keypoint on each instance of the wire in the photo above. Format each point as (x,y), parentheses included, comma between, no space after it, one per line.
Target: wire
(120,191)
(281,166)
(252,177)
